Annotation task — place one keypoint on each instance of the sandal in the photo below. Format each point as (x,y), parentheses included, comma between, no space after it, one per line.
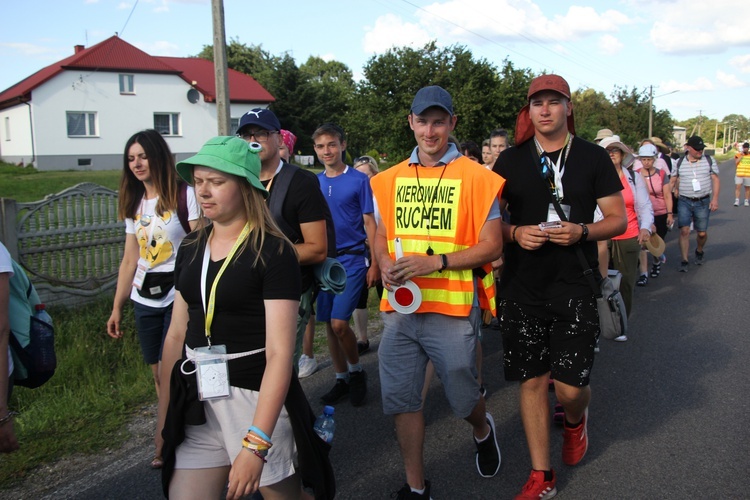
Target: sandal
(655,270)
(157,463)
(642,281)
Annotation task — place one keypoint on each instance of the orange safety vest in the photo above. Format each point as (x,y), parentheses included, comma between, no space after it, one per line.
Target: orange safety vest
(464,197)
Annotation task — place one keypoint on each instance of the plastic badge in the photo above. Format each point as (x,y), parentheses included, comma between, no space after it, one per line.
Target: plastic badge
(406,298)
(212,372)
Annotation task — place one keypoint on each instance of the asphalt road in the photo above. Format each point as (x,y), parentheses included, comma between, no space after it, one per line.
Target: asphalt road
(668,418)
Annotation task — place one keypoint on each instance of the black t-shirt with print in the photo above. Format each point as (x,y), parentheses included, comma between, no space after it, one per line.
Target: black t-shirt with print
(239,316)
(551,272)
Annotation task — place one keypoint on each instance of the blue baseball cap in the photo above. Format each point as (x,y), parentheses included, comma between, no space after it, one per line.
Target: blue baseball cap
(432,96)
(263,118)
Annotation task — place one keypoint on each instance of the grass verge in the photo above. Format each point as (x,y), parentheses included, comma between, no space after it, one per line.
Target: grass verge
(98,385)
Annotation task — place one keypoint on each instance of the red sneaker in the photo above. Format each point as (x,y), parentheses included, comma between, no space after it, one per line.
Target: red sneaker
(536,488)
(575,441)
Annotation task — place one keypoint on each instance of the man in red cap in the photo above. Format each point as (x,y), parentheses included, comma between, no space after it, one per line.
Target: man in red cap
(547,309)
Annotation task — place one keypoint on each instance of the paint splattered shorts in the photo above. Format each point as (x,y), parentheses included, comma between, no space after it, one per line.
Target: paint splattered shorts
(557,337)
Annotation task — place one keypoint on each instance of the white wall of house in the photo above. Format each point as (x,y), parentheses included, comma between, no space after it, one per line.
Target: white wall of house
(15,134)
(117,117)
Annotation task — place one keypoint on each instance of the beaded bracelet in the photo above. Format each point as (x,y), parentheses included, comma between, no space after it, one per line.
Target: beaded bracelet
(259,432)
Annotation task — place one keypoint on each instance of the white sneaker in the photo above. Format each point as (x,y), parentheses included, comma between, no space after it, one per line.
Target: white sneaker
(737,202)
(747,203)
(621,338)
(307,366)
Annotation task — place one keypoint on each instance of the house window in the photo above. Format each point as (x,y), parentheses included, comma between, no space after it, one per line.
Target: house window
(234,124)
(126,84)
(7,128)
(167,123)
(81,124)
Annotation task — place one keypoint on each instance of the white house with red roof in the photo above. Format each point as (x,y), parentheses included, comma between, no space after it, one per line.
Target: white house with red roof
(79,112)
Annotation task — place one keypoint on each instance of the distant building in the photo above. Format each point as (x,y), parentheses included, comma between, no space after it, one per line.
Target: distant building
(680,137)
(78,112)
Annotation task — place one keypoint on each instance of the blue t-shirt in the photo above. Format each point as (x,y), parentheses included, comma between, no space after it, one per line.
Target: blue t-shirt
(349,197)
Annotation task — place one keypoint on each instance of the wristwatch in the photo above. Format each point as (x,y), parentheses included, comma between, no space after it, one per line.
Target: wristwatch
(585,233)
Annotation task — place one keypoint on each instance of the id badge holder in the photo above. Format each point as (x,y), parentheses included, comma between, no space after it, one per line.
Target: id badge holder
(696,185)
(140,273)
(212,372)
(552,213)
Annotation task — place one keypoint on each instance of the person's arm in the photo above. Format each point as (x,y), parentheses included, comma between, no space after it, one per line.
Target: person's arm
(124,284)
(281,327)
(644,209)
(371,227)
(314,248)
(488,248)
(8,441)
(667,193)
(171,353)
(715,185)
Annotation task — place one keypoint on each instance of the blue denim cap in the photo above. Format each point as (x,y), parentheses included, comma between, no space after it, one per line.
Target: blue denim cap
(428,97)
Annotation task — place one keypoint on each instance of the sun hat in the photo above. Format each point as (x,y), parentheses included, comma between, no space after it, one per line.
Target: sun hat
(696,143)
(602,133)
(647,150)
(228,154)
(427,97)
(264,118)
(660,144)
(655,245)
(627,155)
(555,83)
(289,140)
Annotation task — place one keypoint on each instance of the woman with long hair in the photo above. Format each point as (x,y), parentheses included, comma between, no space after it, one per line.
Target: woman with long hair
(149,203)
(230,345)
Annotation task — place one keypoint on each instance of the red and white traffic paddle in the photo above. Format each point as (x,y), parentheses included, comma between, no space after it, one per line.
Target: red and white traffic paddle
(406,298)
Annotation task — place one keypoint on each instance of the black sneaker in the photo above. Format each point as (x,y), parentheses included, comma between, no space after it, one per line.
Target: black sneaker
(483,392)
(488,452)
(363,347)
(405,493)
(339,392)
(684,266)
(642,281)
(698,258)
(358,387)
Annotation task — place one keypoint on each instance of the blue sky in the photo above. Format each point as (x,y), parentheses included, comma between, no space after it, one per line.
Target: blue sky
(696,53)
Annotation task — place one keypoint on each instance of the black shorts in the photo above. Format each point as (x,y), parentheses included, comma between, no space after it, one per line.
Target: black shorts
(660,221)
(558,337)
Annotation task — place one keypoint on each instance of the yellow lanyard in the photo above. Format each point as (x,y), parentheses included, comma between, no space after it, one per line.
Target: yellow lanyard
(209,308)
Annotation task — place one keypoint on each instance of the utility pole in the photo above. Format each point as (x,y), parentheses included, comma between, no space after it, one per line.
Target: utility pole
(716,134)
(650,111)
(220,67)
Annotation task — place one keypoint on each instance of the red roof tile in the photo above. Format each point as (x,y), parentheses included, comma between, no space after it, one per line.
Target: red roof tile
(115,54)
(242,87)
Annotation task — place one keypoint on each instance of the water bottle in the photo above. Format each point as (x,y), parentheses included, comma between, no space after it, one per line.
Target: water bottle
(325,426)
(42,336)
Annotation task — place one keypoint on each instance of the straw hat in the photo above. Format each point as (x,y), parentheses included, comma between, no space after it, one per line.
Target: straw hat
(659,144)
(603,133)
(655,245)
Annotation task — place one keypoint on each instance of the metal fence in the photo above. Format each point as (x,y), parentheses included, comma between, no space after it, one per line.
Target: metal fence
(70,243)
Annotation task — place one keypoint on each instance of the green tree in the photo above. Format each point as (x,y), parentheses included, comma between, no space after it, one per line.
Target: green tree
(592,111)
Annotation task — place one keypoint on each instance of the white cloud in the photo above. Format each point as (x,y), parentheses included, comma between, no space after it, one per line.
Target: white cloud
(697,26)
(328,57)
(391,31)
(29,49)
(742,63)
(609,45)
(729,80)
(159,48)
(124,6)
(701,83)
(483,22)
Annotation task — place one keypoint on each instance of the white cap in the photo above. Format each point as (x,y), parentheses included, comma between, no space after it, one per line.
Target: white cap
(647,150)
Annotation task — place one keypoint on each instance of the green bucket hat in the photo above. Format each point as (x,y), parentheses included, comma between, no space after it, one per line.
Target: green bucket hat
(228,154)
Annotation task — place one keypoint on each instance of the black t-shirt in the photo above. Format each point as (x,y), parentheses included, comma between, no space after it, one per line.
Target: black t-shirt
(239,315)
(552,271)
(303,203)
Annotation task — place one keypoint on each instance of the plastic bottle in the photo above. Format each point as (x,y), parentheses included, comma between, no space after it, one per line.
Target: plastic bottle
(325,425)
(43,337)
